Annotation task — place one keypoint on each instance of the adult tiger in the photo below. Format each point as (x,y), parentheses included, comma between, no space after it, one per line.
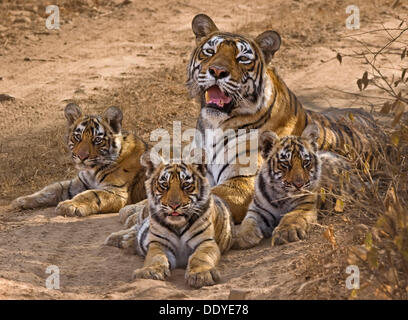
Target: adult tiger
(229,75)
(288,186)
(184,225)
(110,174)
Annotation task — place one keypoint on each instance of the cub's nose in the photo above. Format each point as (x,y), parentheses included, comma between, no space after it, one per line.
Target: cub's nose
(83,155)
(298,183)
(175,205)
(218,72)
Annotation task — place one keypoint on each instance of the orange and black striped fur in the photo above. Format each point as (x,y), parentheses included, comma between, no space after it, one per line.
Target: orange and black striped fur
(229,75)
(287,188)
(185,225)
(108,160)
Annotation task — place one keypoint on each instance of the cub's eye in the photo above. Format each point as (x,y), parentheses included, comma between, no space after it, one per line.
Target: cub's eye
(186,185)
(164,185)
(284,164)
(306,162)
(243,59)
(77,137)
(208,52)
(97,140)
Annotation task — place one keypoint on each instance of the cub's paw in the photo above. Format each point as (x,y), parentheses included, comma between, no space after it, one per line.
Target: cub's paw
(158,272)
(290,230)
(22,203)
(248,236)
(122,239)
(126,212)
(202,278)
(71,209)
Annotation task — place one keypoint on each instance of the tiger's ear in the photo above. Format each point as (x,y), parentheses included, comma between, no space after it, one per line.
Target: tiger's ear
(312,133)
(150,160)
(268,140)
(202,26)
(114,116)
(269,42)
(72,112)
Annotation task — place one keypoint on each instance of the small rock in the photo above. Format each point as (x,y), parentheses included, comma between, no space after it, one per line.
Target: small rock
(22,20)
(20,13)
(237,294)
(6,97)
(3,28)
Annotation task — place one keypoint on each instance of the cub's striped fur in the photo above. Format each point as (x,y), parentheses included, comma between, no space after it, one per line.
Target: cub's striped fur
(229,75)
(287,188)
(110,174)
(186,225)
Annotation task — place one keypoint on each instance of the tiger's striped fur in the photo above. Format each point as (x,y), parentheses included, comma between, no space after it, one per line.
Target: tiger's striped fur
(229,75)
(185,224)
(110,174)
(287,188)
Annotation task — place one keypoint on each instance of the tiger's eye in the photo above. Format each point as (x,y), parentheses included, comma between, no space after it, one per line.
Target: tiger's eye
(209,52)
(243,59)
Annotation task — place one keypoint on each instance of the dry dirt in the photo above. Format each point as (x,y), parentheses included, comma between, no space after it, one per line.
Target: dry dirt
(134,55)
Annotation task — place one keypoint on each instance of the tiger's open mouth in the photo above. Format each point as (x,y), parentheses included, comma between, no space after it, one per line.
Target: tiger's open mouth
(217,99)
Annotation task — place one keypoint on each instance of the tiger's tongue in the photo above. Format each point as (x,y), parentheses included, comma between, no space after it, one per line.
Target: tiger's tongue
(215,96)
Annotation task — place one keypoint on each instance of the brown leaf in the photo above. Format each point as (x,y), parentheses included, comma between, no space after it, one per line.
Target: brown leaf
(386,108)
(339,207)
(329,235)
(364,79)
(359,84)
(339,57)
(398,112)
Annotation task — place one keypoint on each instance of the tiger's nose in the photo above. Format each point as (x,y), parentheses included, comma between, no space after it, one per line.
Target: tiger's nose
(218,72)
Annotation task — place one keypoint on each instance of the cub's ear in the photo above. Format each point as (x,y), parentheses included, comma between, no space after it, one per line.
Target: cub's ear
(268,140)
(114,116)
(312,133)
(72,113)
(269,42)
(202,26)
(150,160)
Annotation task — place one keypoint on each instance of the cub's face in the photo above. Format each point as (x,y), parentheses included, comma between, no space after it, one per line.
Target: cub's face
(226,70)
(176,192)
(93,140)
(291,162)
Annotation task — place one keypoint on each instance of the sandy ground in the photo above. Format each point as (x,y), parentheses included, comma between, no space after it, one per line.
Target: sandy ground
(135,56)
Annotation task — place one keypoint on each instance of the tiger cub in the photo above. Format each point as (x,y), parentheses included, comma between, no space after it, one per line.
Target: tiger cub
(187,226)
(110,174)
(287,188)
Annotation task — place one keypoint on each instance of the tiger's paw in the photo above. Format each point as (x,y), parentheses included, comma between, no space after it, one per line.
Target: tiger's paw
(122,239)
(198,279)
(248,236)
(71,209)
(157,272)
(290,230)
